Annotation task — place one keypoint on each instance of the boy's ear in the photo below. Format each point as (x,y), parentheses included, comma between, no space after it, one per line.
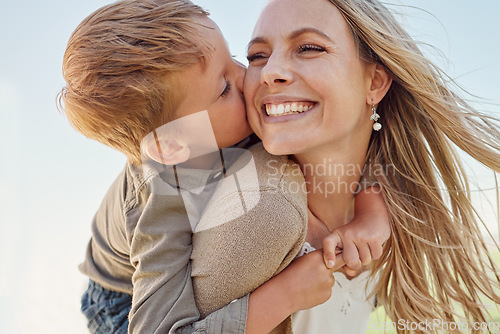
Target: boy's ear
(167,152)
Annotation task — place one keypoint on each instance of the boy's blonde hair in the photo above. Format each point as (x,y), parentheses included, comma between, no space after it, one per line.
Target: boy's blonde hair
(121,68)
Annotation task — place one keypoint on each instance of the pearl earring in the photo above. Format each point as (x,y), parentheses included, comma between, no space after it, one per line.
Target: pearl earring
(375,117)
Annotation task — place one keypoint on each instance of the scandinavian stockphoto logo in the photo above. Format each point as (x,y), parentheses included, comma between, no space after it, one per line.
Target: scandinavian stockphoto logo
(328,177)
(217,185)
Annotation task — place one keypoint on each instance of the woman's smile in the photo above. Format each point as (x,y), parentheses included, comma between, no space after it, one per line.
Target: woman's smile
(288,108)
(284,108)
(306,87)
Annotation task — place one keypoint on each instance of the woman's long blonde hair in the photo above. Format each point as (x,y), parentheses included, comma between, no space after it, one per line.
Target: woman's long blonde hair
(436,257)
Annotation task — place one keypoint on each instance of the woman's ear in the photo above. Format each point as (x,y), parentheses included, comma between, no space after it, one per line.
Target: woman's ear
(167,152)
(379,84)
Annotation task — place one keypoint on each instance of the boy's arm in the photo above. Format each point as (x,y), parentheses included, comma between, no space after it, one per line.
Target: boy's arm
(163,298)
(273,301)
(305,283)
(362,239)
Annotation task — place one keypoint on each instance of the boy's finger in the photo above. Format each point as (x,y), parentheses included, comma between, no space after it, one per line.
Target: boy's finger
(330,243)
(364,254)
(350,272)
(339,262)
(376,250)
(351,255)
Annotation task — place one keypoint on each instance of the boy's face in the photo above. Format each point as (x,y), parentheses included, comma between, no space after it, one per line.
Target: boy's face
(218,88)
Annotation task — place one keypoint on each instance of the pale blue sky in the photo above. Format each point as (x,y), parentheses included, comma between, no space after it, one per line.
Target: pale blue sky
(53,179)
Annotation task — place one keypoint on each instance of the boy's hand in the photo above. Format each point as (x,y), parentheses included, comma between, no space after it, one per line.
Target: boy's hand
(362,239)
(305,283)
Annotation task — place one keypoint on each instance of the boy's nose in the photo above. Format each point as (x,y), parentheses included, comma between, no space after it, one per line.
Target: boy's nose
(241,71)
(240,64)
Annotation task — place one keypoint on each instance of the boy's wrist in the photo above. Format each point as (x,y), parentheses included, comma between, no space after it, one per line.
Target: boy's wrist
(287,293)
(269,305)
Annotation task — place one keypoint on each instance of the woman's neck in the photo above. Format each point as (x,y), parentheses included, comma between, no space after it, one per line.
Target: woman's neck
(331,181)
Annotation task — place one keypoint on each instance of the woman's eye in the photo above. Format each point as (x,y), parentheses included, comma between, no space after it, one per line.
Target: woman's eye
(310,47)
(255,56)
(226,89)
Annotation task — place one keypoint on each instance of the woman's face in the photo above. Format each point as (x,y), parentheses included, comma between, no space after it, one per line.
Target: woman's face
(306,87)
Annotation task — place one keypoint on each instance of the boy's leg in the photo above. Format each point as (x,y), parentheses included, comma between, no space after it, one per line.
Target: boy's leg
(106,311)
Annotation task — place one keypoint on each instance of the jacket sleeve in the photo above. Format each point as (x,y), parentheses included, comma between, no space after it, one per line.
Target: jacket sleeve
(252,228)
(163,299)
(233,259)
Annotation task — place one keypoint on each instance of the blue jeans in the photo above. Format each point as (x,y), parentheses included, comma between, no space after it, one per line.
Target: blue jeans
(106,311)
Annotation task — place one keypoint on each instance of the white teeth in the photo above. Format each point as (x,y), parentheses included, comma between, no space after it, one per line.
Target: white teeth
(286,108)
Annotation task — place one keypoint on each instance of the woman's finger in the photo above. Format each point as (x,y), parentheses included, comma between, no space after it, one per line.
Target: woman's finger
(330,243)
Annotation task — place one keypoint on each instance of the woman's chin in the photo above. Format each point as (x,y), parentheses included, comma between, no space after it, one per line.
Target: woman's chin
(279,148)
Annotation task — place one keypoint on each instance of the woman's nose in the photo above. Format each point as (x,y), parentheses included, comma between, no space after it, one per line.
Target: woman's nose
(276,71)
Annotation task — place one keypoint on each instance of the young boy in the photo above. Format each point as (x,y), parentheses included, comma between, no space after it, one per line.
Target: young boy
(130,68)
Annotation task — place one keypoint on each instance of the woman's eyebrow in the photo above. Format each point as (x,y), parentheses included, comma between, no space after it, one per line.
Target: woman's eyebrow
(294,34)
(256,40)
(307,30)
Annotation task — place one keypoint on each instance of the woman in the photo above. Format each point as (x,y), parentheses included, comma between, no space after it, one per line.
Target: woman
(353,68)
(434,246)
